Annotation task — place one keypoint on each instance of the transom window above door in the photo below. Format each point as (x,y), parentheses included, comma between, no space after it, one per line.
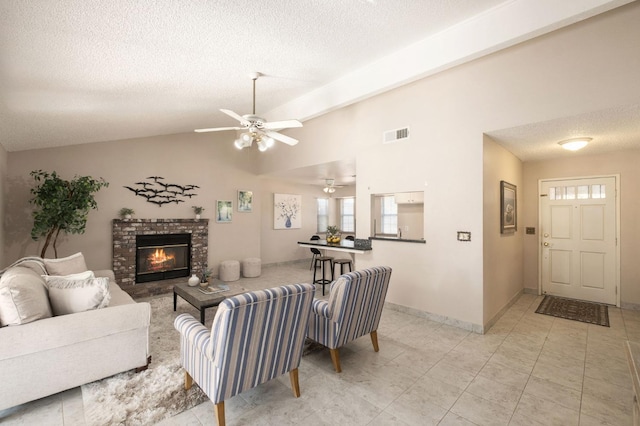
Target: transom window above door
(579,192)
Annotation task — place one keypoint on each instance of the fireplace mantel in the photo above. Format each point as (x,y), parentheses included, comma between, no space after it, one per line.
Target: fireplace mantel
(124,249)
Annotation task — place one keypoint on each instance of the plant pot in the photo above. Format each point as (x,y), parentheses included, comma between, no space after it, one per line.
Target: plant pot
(204,284)
(197,217)
(127,216)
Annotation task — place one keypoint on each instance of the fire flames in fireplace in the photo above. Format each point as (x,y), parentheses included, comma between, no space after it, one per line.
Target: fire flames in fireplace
(162,256)
(158,260)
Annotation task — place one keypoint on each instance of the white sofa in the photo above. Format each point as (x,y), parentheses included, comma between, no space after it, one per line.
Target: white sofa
(50,355)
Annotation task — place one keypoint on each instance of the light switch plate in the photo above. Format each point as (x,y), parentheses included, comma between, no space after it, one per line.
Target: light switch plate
(464,236)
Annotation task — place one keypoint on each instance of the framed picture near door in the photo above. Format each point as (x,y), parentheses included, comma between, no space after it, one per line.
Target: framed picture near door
(508,208)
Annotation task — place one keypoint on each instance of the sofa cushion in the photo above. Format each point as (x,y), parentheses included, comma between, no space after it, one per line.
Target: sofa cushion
(23,297)
(68,296)
(66,265)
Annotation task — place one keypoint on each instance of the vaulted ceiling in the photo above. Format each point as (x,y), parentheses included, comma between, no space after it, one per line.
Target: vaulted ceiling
(78,71)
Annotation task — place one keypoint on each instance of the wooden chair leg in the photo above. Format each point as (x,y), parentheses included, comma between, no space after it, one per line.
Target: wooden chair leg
(374,340)
(295,385)
(188,380)
(335,358)
(219,410)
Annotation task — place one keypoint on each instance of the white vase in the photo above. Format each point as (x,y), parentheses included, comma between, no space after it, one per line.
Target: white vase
(197,217)
(194,280)
(127,216)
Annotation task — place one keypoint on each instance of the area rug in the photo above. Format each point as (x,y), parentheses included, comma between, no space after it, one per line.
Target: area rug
(576,310)
(155,394)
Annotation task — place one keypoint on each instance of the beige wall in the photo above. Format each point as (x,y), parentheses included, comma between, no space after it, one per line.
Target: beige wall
(502,253)
(209,161)
(624,163)
(3,196)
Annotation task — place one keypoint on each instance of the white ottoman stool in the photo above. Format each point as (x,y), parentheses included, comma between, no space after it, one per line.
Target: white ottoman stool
(229,270)
(251,267)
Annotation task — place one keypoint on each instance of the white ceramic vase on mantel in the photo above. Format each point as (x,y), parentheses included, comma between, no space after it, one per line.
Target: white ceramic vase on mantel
(194,280)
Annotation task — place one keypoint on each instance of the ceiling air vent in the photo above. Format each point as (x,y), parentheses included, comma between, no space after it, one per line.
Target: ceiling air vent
(391,136)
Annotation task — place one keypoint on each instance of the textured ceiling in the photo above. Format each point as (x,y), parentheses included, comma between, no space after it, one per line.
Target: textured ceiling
(611,130)
(82,71)
(79,71)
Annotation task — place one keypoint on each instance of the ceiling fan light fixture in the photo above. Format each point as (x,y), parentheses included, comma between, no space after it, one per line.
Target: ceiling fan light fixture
(575,143)
(257,129)
(329,190)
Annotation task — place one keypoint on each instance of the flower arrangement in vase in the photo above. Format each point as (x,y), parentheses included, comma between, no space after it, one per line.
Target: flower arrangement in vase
(333,234)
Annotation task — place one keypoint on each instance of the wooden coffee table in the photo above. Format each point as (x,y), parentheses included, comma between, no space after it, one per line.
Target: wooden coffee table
(200,300)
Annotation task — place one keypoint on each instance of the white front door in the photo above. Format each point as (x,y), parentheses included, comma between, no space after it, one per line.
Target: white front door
(579,239)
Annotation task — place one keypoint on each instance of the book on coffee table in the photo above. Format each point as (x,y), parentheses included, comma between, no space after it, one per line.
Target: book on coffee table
(214,289)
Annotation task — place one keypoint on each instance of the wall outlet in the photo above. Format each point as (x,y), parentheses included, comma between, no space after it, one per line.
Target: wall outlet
(464,236)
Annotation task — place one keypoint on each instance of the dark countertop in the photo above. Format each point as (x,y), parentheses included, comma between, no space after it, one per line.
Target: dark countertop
(343,245)
(399,240)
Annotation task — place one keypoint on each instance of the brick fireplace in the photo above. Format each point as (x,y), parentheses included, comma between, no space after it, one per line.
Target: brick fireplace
(125,232)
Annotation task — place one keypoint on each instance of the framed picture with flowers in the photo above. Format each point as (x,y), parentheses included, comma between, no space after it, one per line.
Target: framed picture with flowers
(287,211)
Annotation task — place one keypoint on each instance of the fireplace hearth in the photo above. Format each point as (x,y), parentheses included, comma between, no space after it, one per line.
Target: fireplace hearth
(162,257)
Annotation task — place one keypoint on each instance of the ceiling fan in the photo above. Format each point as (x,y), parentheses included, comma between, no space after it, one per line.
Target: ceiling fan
(257,129)
(330,186)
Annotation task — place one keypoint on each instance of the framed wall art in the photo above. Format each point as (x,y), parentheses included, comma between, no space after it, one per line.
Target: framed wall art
(508,208)
(245,201)
(287,211)
(224,211)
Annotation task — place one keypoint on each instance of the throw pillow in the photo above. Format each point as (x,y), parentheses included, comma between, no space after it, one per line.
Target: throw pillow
(23,297)
(72,277)
(72,296)
(66,265)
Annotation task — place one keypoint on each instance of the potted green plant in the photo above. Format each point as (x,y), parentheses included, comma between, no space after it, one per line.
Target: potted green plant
(204,277)
(126,212)
(61,206)
(198,211)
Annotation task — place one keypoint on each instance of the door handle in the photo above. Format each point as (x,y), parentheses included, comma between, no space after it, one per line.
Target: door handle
(546,244)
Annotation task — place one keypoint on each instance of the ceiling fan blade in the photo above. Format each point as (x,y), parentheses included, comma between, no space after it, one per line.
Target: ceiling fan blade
(285,124)
(282,138)
(217,129)
(236,116)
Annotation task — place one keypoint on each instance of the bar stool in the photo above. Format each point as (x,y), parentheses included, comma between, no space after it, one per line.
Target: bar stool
(323,281)
(314,251)
(344,262)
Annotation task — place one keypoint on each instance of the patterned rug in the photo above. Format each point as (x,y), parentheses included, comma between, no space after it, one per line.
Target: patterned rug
(576,310)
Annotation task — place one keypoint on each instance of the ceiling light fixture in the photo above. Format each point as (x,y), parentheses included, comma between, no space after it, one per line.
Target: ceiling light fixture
(574,144)
(247,139)
(329,189)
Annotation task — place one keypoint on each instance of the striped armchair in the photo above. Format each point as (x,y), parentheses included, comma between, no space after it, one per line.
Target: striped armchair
(353,310)
(255,337)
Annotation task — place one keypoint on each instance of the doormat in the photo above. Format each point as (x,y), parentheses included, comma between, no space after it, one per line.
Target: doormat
(576,310)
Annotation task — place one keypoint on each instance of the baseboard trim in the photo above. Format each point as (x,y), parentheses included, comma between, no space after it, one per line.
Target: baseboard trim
(435,317)
(630,306)
(504,309)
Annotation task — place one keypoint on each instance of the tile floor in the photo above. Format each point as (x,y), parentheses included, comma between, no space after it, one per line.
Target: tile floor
(529,369)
